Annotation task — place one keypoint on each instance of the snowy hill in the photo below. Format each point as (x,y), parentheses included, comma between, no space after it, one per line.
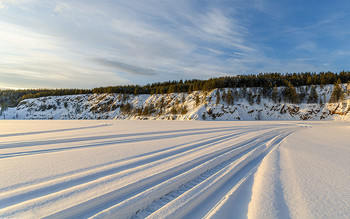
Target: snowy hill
(223,104)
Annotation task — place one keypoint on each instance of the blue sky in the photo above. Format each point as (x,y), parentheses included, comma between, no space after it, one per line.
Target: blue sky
(86,44)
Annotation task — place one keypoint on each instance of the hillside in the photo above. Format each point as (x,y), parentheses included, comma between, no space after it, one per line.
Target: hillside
(219,104)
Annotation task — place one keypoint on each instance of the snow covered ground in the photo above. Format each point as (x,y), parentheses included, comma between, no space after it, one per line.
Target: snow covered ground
(192,169)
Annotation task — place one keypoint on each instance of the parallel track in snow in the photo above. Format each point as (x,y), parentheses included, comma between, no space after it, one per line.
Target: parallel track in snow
(183,175)
(181,201)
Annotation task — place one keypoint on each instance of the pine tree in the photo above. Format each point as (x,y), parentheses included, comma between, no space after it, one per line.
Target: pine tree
(229,97)
(302,94)
(290,93)
(313,97)
(136,92)
(244,91)
(173,110)
(197,100)
(160,111)
(258,99)
(217,97)
(337,93)
(183,110)
(250,97)
(274,94)
(223,94)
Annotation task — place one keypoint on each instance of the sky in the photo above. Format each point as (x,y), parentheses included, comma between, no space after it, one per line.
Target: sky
(87,44)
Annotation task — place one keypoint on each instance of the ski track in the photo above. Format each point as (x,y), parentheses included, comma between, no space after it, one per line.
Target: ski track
(164,183)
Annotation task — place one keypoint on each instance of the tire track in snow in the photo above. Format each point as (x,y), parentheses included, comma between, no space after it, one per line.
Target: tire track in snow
(122,206)
(53,131)
(118,162)
(48,195)
(51,186)
(11,199)
(247,172)
(92,145)
(183,200)
(17,144)
(104,165)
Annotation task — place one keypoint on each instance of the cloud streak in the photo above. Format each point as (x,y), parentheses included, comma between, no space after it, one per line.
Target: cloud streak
(132,69)
(87,44)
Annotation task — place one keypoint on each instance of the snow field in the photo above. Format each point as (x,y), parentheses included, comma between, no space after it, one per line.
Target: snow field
(157,169)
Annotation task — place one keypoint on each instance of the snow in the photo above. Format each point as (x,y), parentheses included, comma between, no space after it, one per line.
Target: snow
(157,169)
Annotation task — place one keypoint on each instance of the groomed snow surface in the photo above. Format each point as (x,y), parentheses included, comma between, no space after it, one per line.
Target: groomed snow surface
(174,169)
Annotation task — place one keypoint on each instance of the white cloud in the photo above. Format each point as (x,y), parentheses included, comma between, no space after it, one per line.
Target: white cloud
(45,61)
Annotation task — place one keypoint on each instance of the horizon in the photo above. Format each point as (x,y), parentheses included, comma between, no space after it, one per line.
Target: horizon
(61,44)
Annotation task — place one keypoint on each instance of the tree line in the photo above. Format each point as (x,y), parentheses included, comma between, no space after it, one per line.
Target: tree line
(266,81)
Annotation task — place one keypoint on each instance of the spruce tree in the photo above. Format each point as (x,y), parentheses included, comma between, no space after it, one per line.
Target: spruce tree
(217,97)
(337,93)
(229,97)
(258,99)
(275,94)
(197,100)
(290,93)
(173,110)
(136,92)
(250,97)
(183,99)
(183,109)
(313,97)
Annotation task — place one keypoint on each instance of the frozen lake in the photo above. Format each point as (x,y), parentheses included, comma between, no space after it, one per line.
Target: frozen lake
(193,169)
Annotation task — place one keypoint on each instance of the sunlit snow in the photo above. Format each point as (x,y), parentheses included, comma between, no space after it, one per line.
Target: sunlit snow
(192,169)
